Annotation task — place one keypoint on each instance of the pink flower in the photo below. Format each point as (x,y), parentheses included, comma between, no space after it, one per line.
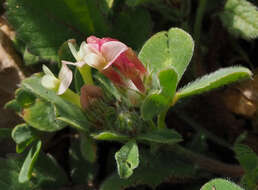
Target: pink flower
(112,58)
(119,58)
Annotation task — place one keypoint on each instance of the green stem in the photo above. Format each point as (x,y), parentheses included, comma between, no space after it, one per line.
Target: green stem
(72,97)
(162,118)
(85,71)
(198,19)
(202,130)
(208,164)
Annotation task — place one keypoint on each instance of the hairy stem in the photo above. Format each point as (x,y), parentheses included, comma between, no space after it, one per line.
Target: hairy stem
(161,119)
(208,164)
(202,130)
(86,74)
(198,19)
(72,97)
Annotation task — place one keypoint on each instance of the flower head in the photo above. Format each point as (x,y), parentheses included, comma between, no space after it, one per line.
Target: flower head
(112,58)
(60,84)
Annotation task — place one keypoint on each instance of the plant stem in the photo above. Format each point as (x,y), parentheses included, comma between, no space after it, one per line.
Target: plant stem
(202,130)
(198,19)
(208,164)
(85,71)
(161,119)
(72,97)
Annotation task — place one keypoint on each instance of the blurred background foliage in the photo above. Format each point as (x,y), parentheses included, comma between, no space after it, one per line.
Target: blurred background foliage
(32,32)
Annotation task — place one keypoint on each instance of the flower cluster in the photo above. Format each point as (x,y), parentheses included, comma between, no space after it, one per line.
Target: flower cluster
(109,56)
(112,58)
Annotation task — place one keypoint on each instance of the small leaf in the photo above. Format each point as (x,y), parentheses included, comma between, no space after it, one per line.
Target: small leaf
(81,171)
(67,112)
(24,98)
(21,147)
(220,184)
(157,102)
(127,159)
(246,156)
(22,133)
(249,161)
(240,17)
(168,49)
(152,105)
(154,169)
(26,170)
(161,135)
(9,172)
(14,105)
(166,54)
(44,33)
(249,180)
(42,116)
(214,80)
(47,174)
(110,136)
(5,133)
(134,3)
(88,148)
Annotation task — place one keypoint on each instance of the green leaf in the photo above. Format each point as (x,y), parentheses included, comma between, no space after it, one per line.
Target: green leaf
(42,116)
(9,172)
(249,161)
(167,54)
(21,147)
(22,133)
(168,49)
(14,105)
(109,136)
(220,184)
(152,105)
(154,169)
(47,174)
(26,170)
(214,80)
(5,133)
(45,25)
(240,17)
(129,32)
(24,98)
(110,3)
(29,58)
(161,135)
(134,3)
(82,171)
(246,156)
(157,102)
(67,112)
(249,180)
(88,148)
(127,159)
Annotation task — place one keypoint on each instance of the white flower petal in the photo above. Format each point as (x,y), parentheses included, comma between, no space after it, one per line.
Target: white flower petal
(77,64)
(66,76)
(84,50)
(47,71)
(95,61)
(50,82)
(111,50)
(73,50)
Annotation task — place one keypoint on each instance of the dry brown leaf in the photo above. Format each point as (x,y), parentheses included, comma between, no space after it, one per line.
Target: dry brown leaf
(243,98)
(10,78)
